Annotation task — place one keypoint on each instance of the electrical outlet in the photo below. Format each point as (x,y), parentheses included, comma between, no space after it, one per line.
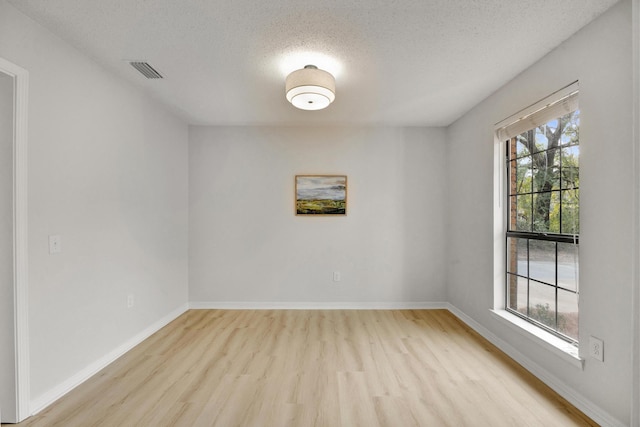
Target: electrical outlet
(130,300)
(596,348)
(336,276)
(55,244)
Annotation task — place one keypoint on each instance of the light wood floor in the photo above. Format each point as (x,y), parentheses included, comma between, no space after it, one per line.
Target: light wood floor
(313,368)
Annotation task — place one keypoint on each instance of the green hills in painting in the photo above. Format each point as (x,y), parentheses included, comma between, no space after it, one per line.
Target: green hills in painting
(321,207)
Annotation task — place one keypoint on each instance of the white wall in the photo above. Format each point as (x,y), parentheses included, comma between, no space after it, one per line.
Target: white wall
(7,347)
(599,56)
(107,172)
(246,244)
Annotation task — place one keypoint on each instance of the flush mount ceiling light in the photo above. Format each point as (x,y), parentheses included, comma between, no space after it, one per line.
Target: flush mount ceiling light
(310,88)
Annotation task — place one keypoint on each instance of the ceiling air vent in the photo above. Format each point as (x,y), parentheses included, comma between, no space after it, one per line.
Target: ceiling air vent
(145,69)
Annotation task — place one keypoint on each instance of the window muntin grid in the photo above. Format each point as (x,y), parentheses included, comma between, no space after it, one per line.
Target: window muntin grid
(543,225)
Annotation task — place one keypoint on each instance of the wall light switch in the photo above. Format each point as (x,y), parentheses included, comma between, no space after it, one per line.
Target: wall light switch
(55,244)
(336,276)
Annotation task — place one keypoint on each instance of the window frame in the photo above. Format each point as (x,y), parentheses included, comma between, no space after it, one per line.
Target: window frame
(501,298)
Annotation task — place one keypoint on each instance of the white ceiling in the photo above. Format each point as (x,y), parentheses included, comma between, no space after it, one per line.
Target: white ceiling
(396,62)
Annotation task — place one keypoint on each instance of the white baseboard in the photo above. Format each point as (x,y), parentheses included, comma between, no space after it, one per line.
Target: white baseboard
(46,399)
(232,305)
(589,408)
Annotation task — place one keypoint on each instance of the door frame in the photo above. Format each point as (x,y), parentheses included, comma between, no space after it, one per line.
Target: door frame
(635,389)
(20,270)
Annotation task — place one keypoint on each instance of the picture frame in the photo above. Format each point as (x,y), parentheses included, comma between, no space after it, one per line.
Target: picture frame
(319,195)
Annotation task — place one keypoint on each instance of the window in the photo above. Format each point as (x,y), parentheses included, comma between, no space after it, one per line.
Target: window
(543,221)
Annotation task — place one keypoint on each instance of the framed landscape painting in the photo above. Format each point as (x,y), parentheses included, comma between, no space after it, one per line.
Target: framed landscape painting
(321,194)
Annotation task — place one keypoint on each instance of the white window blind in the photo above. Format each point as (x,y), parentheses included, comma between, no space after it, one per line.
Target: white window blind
(552,107)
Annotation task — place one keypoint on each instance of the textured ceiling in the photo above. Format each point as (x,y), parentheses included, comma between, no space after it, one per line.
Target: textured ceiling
(397,62)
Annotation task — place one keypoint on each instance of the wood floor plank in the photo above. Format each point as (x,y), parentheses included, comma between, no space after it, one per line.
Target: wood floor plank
(313,368)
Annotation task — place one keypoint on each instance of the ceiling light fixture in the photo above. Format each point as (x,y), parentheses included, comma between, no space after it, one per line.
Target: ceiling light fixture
(310,88)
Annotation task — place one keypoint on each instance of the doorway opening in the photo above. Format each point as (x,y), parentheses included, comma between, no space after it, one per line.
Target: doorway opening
(14,356)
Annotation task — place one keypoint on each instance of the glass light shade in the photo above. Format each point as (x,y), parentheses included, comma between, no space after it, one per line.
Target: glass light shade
(310,88)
